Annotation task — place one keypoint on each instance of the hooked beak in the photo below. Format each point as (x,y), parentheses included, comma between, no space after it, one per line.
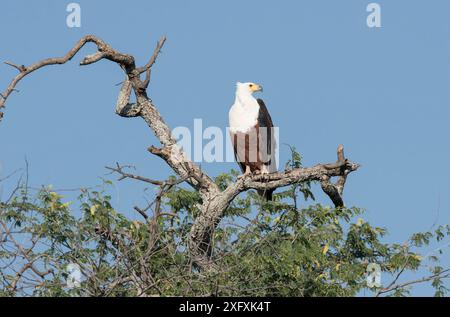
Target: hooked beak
(256,88)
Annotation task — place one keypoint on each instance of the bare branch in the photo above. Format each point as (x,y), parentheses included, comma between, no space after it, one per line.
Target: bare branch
(104,50)
(90,59)
(148,67)
(441,275)
(214,201)
(320,172)
(141,212)
(20,68)
(119,170)
(155,54)
(123,106)
(335,191)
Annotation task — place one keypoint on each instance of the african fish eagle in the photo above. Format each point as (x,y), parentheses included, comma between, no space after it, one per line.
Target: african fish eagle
(252,133)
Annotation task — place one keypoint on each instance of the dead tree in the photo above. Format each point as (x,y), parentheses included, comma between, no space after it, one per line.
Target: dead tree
(214,201)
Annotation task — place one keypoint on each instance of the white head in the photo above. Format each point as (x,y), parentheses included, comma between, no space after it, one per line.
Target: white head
(247,88)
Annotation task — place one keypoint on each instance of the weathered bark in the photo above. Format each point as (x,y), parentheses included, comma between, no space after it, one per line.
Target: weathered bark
(214,201)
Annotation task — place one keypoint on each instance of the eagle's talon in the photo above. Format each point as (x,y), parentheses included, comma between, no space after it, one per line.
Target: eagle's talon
(242,176)
(247,173)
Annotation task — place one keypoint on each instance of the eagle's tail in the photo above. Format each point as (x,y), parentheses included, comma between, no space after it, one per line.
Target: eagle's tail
(266,194)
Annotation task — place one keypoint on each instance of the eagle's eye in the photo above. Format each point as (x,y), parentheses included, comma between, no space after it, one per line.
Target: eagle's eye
(251,85)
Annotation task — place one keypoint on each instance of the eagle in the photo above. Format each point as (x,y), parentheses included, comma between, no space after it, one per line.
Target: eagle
(252,133)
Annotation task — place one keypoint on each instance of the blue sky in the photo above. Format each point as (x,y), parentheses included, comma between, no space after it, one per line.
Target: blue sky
(327,77)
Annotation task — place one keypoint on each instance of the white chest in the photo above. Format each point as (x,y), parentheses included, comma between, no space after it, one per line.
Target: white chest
(243,118)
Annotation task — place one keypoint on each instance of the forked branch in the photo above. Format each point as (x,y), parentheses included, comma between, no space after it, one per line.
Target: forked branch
(214,201)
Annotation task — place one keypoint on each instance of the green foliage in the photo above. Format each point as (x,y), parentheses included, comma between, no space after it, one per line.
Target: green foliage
(274,248)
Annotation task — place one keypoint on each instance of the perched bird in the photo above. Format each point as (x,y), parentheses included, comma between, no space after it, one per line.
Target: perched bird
(252,133)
